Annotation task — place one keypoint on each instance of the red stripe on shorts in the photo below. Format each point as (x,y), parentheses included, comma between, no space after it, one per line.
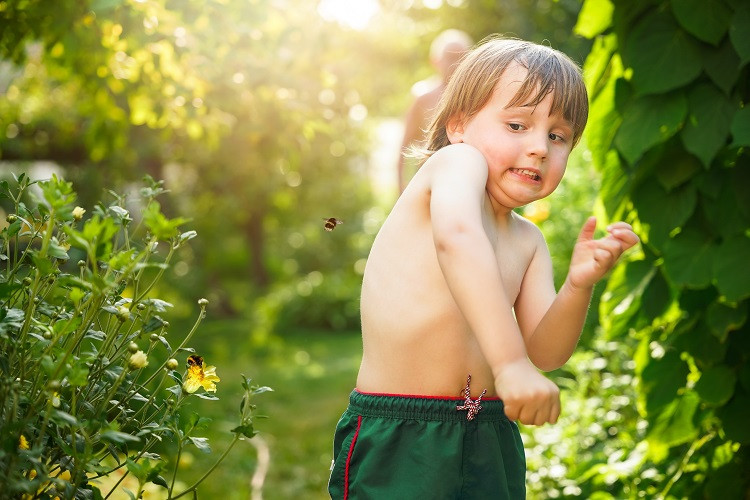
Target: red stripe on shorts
(349,457)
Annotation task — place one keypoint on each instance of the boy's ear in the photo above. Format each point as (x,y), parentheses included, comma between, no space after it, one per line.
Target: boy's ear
(454,129)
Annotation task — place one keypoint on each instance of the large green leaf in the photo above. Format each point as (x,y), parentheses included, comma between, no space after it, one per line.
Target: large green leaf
(621,300)
(740,127)
(602,65)
(662,378)
(595,17)
(674,425)
(723,318)
(716,385)
(689,258)
(603,122)
(739,33)
(722,65)
(663,212)
(663,56)
(649,121)
(708,21)
(707,127)
(734,415)
(730,268)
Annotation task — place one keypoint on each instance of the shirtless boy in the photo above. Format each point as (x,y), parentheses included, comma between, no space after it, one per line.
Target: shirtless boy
(457,285)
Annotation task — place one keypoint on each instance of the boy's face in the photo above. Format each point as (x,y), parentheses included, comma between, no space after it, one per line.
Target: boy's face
(526,149)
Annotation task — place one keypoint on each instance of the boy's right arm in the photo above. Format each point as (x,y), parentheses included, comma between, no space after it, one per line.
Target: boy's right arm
(467,260)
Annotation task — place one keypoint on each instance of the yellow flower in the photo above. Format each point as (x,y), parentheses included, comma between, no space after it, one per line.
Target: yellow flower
(138,360)
(23,443)
(199,376)
(56,399)
(78,213)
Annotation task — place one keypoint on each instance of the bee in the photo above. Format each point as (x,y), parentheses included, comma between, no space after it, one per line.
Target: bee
(331,223)
(195,360)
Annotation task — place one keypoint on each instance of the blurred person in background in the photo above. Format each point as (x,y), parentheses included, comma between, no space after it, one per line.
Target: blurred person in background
(446,51)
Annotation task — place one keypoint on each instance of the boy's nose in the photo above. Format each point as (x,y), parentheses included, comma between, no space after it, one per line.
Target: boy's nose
(537,145)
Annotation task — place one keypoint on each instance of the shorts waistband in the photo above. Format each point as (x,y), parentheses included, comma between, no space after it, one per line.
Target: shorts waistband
(403,406)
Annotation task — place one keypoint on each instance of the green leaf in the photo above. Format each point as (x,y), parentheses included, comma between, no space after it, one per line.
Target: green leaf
(663,212)
(118,437)
(688,259)
(158,224)
(245,429)
(707,21)
(661,378)
(621,299)
(722,65)
(722,319)
(680,169)
(716,385)
(663,57)
(740,127)
(594,18)
(734,415)
(674,424)
(649,121)
(739,33)
(731,256)
(707,127)
(78,375)
(656,297)
(201,443)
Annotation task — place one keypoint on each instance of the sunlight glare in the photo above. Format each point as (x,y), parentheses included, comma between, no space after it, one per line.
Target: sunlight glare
(355,14)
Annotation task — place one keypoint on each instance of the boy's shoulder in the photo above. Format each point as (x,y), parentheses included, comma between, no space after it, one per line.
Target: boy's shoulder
(458,151)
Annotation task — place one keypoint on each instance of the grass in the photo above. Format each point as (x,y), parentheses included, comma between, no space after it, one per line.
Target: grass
(311,373)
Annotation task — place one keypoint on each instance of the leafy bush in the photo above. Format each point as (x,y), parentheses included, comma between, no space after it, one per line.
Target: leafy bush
(89,380)
(670,135)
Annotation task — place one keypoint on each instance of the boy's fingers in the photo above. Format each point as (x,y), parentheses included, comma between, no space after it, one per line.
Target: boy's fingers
(587,231)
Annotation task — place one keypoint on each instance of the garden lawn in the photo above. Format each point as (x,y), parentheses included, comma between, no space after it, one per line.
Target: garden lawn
(312,374)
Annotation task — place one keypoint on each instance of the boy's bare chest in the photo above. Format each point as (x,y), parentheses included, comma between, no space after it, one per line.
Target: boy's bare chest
(513,256)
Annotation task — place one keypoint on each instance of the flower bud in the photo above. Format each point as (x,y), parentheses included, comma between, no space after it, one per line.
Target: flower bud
(123,313)
(81,263)
(53,385)
(203,302)
(165,324)
(133,347)
(172,364)
(26,281)
(11,218)
(154,337)
(78,213)
(138,360)
(47,335)
(141,306)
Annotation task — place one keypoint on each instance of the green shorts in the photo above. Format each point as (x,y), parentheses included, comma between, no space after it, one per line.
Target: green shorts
(412,447)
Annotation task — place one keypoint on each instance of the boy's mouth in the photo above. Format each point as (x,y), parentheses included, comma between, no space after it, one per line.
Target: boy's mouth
(527,173)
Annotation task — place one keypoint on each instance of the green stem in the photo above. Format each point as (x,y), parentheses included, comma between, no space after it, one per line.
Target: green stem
(683,464)
(209,471)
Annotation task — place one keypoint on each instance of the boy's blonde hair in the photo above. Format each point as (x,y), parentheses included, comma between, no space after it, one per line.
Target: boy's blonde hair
(474,80)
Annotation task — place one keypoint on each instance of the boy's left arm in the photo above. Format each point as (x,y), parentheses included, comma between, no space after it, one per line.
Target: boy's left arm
(551,324)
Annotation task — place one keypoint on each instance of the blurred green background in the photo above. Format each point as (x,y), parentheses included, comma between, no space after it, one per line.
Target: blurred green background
(264,117)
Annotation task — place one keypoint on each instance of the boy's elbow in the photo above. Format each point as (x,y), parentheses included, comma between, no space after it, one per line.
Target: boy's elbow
(547,364)
(452,237)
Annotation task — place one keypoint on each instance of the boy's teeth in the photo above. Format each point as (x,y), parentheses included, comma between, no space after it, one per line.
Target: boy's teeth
(527,173)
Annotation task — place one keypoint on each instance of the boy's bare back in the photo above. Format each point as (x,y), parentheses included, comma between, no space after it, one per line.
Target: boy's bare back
(415,338)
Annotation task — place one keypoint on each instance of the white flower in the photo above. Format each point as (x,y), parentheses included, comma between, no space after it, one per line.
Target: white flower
(138,360)
(78,213)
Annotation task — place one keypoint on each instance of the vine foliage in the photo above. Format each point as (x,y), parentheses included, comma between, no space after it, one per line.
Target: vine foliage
(670,135)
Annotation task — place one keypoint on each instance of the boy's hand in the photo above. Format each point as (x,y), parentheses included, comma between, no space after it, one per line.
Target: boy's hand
(527,395)
(592,259)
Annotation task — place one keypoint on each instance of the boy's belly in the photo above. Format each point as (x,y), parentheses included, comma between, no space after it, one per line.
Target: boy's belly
(434,365)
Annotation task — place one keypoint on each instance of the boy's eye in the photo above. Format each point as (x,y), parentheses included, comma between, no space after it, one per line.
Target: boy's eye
(556,137)
(515,126)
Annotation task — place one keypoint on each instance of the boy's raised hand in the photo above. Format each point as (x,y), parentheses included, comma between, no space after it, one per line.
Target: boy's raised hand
(591,258)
